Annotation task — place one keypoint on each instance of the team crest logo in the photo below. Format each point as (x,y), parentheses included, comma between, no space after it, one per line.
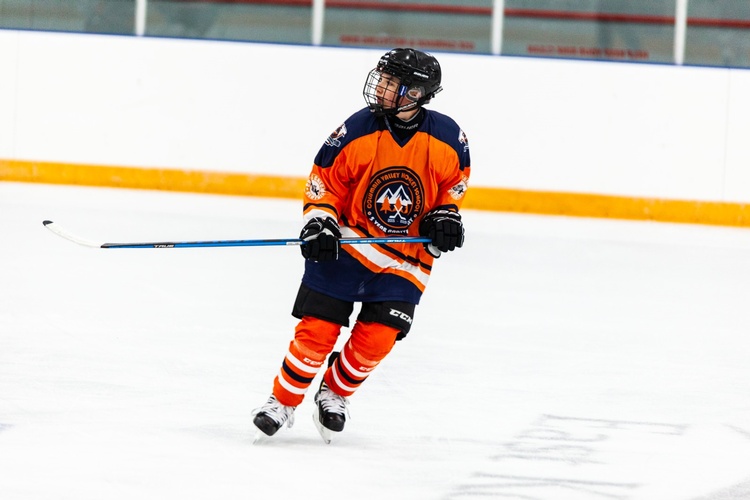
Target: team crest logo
(394,198)
(339,133)
(315,189)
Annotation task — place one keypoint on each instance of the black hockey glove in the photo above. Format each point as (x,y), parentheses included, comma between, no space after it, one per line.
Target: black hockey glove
(322,236)
(445,229)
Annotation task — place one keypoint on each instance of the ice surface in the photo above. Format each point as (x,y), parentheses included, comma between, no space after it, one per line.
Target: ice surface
(551,358)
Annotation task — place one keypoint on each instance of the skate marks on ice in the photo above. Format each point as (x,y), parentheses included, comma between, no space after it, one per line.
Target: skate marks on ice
(738,491)
(563,448)
(741,431)
(564,457)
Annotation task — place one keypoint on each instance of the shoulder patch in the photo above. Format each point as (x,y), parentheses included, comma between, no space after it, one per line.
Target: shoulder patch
(315,189)
(462,139)
(361,123)
(334,139)
(459,190)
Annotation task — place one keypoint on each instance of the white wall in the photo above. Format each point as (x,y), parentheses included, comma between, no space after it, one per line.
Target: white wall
(578,126)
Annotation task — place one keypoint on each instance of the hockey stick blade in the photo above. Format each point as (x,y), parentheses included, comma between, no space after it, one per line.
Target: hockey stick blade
(58,230)
(55,228)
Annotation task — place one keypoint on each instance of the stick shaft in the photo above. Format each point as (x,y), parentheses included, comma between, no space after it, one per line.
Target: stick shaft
(58,230)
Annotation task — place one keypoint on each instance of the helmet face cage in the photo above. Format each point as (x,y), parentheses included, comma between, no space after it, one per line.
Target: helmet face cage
(403,79)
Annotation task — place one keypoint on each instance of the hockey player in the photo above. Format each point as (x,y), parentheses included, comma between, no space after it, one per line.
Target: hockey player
(393,168)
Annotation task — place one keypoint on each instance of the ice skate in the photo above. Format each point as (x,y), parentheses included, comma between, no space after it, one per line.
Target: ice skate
(271,417)
(330,412)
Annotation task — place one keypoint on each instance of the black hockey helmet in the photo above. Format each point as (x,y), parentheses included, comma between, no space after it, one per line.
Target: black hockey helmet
(418,76)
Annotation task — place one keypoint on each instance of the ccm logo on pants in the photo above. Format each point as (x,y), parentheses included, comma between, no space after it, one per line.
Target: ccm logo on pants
(401,315)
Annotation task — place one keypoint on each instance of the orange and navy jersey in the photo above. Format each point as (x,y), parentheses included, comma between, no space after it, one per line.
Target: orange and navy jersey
(375,184)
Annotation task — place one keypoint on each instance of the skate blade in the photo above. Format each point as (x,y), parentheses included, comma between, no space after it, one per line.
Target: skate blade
(259,436)
(325,433)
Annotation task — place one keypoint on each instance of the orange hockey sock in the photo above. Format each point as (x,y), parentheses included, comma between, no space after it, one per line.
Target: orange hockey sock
(313,340)
(368,345)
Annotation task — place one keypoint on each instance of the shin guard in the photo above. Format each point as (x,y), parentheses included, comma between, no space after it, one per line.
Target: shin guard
(368,345)
(313,340)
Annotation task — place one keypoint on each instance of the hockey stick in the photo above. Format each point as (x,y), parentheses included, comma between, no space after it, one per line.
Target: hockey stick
(55,228)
